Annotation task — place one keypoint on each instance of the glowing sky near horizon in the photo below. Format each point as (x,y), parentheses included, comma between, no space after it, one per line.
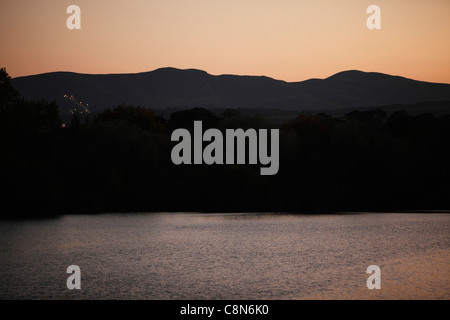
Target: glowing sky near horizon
(290,40)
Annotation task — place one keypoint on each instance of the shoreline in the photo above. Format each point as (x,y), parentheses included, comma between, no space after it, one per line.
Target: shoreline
(304,213)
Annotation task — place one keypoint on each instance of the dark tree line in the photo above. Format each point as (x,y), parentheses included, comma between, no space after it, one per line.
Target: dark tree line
(120,162)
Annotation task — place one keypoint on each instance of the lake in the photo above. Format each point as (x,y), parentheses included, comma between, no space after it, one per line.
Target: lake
(227,256)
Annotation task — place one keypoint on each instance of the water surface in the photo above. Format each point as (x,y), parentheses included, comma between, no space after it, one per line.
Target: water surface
(227,256)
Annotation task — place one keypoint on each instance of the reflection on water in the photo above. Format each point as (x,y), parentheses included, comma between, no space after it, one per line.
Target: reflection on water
(227,256)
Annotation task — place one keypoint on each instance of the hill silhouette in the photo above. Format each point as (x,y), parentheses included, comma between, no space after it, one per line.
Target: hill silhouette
(175,88)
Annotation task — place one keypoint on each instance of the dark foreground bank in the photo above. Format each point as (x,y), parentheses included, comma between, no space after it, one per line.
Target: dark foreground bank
(119,161)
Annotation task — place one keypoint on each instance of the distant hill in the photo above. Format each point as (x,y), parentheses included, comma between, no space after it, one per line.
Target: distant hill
(174,88)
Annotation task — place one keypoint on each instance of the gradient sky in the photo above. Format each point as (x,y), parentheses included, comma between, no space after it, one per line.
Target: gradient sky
(290,40)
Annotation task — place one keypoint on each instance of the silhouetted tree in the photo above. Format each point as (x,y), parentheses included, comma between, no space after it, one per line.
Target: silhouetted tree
(377,115)
(186,118)
(144,118)
(7,93)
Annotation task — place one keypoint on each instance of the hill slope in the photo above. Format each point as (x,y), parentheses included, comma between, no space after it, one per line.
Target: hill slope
(169,87)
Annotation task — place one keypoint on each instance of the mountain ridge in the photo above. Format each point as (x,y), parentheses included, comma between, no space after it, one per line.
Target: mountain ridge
(187,88)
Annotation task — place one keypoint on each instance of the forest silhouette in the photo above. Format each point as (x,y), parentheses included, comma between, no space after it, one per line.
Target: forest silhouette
(119,161)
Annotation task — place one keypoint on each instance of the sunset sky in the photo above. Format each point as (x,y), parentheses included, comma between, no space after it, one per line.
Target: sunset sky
(290,40)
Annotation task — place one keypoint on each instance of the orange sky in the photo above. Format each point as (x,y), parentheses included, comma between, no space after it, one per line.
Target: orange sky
(291,40)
